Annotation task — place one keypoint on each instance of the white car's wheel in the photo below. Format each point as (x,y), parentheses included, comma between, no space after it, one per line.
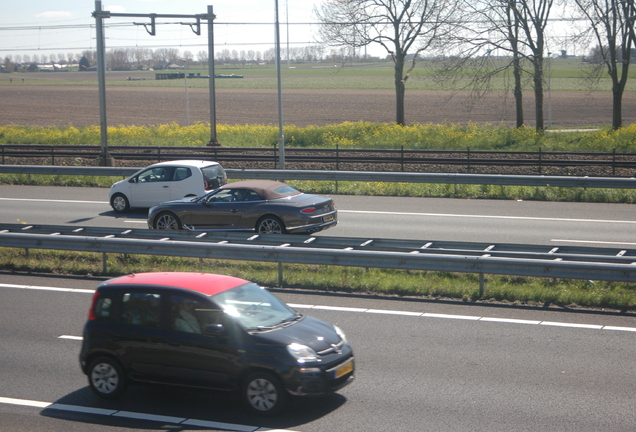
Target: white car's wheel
(119,203)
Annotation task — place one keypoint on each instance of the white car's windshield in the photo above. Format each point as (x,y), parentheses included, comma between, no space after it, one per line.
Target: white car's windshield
(254,307)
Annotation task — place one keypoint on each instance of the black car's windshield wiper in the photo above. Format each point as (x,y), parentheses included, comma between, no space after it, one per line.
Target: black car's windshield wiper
(282,323)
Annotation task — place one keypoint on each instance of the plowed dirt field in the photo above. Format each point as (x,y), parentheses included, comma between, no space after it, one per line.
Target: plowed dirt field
(79,106)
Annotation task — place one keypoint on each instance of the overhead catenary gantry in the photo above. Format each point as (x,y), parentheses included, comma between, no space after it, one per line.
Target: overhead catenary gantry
(150,27)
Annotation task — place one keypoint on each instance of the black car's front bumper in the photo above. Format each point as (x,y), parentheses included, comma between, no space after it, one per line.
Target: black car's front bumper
(315,381)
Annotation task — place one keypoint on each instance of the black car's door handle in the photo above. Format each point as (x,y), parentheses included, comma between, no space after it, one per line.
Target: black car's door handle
(234,211)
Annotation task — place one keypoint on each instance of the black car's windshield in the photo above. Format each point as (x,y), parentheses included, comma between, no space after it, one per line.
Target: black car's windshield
(254,307)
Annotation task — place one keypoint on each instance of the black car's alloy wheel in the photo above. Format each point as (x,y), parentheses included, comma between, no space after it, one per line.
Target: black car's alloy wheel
(119,203)
(167,221)
(263,393)
(106,378)
(270,225)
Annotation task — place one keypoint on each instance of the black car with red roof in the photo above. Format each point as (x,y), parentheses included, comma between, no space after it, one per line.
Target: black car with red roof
(209,331)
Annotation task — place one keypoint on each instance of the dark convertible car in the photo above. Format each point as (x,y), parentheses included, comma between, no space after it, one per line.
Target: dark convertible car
(267,207)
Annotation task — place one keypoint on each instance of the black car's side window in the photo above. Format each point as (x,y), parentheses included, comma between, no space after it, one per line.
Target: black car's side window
(190,315)
(142,309)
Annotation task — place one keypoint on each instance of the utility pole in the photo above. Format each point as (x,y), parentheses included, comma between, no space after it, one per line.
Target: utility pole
(104,156)
(281,135)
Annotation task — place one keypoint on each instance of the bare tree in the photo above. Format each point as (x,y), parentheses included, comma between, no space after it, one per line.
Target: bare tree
(404,28)
(491,29)
(203,57)
(533,16)
(612,27)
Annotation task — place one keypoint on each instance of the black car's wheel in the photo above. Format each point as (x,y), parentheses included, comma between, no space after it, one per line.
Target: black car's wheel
(106,378)
(270,225)
(119,203)
(167,221)
(263,393)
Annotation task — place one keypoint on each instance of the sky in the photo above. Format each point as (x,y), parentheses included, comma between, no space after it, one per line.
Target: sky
(45,27)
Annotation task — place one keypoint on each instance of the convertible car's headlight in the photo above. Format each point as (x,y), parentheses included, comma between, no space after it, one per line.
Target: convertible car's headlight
(302,353)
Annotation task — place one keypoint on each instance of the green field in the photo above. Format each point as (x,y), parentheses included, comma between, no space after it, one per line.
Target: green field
(563,74)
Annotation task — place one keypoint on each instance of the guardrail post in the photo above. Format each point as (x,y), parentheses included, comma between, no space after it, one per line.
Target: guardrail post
(402,157)
(468,159)
(481,285)
(159,153)
(52,155)
(280,274)
(275,158)
(614,162)
(540,161)
(104,263)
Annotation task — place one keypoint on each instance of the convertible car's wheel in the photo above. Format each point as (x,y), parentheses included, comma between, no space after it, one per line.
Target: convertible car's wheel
(119,203)
(270,225)
(167,221)
(263,393)
(106,378)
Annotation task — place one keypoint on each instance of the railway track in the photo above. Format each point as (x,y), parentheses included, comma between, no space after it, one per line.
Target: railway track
(612,164)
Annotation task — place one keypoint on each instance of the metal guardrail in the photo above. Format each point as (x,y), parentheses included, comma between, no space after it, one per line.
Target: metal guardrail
(365,176)
(464,159)
(506,259)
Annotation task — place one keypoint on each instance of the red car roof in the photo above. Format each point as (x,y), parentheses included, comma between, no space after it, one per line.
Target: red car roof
(205,283)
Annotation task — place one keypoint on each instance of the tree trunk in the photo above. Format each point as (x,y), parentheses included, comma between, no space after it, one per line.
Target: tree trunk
(538,93)
(399,90)
(617,106)
(516,71)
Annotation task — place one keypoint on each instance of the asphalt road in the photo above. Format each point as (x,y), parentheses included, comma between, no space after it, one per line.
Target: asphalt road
(426,219)
(421,366)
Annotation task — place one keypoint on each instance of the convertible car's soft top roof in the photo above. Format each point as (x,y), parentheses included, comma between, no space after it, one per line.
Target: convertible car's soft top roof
(267,189)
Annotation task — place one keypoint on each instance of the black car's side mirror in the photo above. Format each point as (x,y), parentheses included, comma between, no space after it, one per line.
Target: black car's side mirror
(217,330)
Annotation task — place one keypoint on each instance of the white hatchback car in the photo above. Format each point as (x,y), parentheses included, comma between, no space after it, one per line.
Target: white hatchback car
(166,181)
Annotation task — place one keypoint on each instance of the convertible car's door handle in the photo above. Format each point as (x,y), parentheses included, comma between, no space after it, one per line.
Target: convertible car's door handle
(234,211)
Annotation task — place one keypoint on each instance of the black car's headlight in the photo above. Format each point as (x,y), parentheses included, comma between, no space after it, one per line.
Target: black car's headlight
(302,353)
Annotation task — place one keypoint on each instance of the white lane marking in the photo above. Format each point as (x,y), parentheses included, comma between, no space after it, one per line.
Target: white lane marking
(70,337)
(45,288)
(632,329)
(560,324)
(138,416)
(510,320)
(375,311)
(393,312)
(51,200)
(151,417)
(474,216)
(24,402)
(447,316)
(463,317)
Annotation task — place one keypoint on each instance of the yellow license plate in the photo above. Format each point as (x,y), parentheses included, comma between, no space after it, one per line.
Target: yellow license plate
(343,370)
(328,218)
